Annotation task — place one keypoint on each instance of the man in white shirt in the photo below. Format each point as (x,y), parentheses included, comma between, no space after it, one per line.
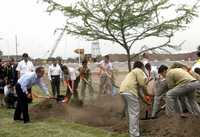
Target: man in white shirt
(106,75)
(24,83)
(10,96)
(24,66)
(59,59)
(55,74)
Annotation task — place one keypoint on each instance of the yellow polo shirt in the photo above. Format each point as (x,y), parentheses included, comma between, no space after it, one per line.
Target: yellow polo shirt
(133,80)
(178,76)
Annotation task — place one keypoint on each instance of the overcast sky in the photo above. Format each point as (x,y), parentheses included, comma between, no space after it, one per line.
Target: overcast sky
(35,31)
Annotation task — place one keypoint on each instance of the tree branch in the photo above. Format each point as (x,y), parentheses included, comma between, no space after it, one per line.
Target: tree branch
(166,44)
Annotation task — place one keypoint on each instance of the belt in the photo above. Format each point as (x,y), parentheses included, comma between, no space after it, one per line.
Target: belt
(55,75)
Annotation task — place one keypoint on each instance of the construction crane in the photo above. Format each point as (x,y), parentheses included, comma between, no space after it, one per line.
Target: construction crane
(56,43)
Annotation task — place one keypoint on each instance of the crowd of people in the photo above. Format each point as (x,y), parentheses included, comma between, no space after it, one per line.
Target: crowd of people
(8,78)
(175,84)
(17,79)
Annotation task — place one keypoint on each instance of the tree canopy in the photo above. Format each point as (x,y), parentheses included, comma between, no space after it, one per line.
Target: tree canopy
(127,21)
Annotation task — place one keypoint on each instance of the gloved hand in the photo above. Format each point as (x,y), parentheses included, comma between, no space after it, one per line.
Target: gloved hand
(148,99)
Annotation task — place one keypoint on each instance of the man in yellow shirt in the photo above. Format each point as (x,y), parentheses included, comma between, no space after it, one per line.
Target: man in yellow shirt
(129,89)
(181,84)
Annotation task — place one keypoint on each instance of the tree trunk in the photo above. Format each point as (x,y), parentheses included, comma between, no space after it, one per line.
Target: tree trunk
(129,59)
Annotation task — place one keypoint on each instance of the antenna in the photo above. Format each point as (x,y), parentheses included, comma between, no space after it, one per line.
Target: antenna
(16,47)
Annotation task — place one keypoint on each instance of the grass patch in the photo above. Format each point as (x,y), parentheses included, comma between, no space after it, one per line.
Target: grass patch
(51,127)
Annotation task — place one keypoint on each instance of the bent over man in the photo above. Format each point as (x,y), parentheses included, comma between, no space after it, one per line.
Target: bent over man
(24,83)
(129,89)
(181,84)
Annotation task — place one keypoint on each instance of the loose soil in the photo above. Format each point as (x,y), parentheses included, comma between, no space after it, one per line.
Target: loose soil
(105,112)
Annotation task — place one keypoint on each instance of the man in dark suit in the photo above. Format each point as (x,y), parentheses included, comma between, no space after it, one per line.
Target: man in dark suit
(11,72)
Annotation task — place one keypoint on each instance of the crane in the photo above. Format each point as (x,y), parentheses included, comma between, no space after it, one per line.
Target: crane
(56,43)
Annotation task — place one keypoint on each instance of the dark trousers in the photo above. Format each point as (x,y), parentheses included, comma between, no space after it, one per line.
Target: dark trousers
(22,105)
(55,85)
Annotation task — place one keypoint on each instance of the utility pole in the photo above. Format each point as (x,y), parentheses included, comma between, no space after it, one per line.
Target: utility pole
(1,52)
(79,57)
(16,46)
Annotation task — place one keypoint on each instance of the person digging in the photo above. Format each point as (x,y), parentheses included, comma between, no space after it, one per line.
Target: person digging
(71,81)
(24,95)
(85,77)
(129,90)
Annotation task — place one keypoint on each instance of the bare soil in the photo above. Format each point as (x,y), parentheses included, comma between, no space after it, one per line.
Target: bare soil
(105,112)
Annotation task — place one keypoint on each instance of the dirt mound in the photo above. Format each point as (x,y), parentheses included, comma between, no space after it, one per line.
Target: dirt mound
(172,127)
(48,108)
(105,112)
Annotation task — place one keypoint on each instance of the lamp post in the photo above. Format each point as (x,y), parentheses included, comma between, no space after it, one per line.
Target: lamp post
(16,45)
(0,50)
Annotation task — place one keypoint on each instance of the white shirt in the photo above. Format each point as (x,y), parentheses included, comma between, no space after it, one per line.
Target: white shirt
(196,65)
(30,79)
(145,61)
(106,66)
(54,71)
(25,67)
(72,73)
(7,90)
(154,72)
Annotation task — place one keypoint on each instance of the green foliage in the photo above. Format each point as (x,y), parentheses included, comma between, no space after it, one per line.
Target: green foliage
(126,21)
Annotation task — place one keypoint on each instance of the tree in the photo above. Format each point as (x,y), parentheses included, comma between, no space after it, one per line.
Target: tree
(126,22)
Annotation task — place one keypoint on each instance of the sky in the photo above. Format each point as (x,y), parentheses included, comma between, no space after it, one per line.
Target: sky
(34,28)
